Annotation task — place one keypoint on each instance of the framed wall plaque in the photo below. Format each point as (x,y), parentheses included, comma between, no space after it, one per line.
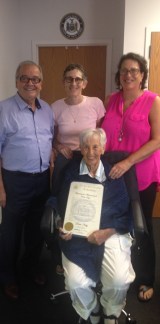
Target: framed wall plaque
(72,26)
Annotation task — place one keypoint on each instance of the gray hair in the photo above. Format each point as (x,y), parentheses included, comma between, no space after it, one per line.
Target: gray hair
(75,66)
(28,63)
(88,133)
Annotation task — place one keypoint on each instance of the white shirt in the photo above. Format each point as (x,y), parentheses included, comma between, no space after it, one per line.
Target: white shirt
(100,174)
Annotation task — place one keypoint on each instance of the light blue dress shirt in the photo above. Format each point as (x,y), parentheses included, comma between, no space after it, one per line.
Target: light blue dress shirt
(100,173)
(25,137)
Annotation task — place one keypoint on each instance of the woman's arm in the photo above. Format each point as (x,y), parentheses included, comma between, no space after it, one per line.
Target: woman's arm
(147,149)
(59,147)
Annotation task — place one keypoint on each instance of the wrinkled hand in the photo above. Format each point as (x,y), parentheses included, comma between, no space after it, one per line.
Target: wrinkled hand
(100,236)
(66,151)
(119,169)
(64,236)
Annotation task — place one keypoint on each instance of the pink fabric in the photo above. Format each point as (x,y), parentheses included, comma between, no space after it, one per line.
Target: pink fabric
(136,132)
(86,114)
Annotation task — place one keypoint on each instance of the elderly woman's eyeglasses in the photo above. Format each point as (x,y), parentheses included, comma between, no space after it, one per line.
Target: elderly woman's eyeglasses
(132,71)
(77,80)
(25,79)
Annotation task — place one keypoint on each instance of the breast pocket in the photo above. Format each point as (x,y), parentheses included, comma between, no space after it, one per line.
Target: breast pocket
(137,125)
(137,117)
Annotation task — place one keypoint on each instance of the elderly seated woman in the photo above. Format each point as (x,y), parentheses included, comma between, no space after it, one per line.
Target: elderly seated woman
(104,255)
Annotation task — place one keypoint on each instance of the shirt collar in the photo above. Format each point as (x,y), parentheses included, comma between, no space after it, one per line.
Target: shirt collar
(22,104)
(100,173)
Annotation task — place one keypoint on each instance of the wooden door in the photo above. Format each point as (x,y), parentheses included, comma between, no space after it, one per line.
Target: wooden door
(154,64)
(154,85)
(54,60)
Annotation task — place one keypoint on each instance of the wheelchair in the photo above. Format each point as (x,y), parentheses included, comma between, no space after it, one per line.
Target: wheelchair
(128,318)
(139,225)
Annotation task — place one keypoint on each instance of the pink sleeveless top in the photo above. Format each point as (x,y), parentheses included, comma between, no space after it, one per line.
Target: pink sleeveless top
(129,131)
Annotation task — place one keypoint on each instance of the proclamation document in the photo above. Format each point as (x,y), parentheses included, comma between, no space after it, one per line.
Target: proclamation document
(83,211)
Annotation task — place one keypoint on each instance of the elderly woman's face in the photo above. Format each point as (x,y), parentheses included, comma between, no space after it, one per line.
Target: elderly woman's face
(92,151)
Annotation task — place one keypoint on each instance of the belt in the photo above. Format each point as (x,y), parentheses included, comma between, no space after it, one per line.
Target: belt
(28,174)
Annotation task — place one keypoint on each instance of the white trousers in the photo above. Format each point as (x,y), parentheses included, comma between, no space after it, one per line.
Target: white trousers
(116,275)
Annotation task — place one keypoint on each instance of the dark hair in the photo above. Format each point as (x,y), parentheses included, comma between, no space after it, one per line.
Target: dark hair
(142,65)
(76,66)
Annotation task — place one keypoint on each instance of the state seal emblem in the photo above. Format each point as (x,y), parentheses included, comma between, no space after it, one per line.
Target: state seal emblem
(72,26)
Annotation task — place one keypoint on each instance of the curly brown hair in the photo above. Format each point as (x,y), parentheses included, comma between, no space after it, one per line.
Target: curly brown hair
(142,66)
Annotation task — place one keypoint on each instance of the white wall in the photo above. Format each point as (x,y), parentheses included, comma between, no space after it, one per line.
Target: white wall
(9,45)
(139,15)
(23,23)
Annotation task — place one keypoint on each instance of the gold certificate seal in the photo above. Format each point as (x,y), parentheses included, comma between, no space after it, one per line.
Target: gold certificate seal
(68,226)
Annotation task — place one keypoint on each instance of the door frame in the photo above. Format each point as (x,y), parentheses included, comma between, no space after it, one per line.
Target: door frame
(107,43)
(148,31)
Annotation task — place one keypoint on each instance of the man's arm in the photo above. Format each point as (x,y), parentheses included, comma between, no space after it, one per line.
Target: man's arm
(2,190)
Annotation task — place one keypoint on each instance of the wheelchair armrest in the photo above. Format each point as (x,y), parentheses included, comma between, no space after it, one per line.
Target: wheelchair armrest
(47,225)
(139,222)
(140,231)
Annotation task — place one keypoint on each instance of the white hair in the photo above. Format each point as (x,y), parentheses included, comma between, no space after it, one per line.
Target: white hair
(88,133)
(28,63)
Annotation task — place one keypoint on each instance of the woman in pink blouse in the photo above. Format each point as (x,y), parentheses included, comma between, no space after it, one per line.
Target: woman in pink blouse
(132,124)
(72,114)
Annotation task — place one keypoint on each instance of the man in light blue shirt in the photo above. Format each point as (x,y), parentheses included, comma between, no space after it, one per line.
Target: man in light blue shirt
(26,135)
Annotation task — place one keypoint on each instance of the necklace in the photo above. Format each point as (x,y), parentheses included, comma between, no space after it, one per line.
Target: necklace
(74,107)
(125,107)
(121,132)
(74,116)
(120,137)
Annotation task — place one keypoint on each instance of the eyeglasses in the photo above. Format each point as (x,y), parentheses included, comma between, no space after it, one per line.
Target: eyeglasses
(25,79)
(71,80)
(132,71)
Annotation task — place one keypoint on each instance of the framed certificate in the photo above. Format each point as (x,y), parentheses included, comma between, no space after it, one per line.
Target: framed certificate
(83,211)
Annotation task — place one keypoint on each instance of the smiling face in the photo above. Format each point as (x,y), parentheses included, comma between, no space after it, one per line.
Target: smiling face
(130,75)
(92,151)
(74,83)
(27,90)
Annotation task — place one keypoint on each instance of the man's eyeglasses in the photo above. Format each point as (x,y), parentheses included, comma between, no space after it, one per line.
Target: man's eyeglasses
(132,71)
(71,80)
(25,79)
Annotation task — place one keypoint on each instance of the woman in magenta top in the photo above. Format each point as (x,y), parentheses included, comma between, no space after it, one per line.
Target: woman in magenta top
(132,124)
